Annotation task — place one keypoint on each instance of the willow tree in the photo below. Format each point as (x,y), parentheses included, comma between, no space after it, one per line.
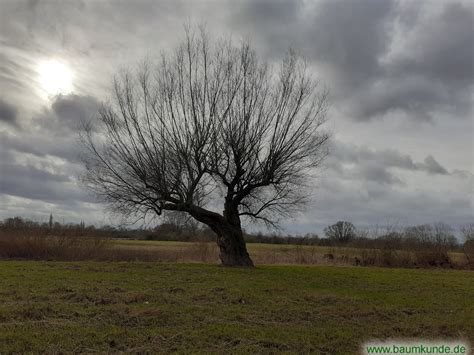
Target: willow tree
(209,121)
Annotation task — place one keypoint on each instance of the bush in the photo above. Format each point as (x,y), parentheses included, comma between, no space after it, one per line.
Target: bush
(48,247)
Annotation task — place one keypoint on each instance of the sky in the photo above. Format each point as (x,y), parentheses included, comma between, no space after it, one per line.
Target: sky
(400,75)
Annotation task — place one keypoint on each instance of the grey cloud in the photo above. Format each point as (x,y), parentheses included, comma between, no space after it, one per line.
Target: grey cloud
(40,176)
(464,174)
(65,117)
(8,113)
(40,146)
(347,37)
(71,110)
(273,25)
(62,121)
(355,154)
(379,56)
(432,166)
(362,163)
(373,203)
(33,172)
(432,73)
(377,173)
(350,36)
(31,182)
(441,47)
(417,96)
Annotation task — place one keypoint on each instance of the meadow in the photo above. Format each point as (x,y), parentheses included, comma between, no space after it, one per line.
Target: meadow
(35,246)
(56,307)
(283,254)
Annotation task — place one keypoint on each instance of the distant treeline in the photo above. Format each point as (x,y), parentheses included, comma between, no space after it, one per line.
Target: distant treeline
(427,245)
(342,233)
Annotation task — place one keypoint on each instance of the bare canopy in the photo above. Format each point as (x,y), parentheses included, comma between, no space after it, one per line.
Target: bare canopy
(208,118)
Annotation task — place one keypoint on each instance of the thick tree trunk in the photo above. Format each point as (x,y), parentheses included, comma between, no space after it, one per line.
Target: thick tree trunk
(230,239)
(233,251)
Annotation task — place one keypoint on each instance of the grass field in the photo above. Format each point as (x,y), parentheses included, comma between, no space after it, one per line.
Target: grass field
(52,307)
(260,253)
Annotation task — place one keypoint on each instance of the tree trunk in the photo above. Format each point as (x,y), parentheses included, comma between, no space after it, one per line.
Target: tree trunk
(233,251)
(230,239)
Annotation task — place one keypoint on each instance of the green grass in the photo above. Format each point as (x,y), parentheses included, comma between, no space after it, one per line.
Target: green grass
(52,307)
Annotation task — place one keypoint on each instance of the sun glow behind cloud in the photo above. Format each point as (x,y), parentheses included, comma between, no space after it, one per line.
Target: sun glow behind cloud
(55,77)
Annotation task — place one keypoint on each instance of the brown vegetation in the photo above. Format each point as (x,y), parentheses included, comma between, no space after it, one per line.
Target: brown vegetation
(430,246)
(40,244)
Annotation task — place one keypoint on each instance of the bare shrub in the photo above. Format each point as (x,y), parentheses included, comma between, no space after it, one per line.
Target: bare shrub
(431,244)
(467,232)
(204,252)
(304,255)
(50,247)
(395,258)
(432,258)
(329,256)
(368,257)
(468,249)
(384,258)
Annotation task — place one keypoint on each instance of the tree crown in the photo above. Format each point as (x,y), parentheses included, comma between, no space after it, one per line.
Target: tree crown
(208,117)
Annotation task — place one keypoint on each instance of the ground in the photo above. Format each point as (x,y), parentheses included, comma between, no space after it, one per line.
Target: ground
(52,307)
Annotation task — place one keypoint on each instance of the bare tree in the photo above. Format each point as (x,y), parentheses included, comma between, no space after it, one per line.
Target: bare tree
(467,232)
(341,231)
(209,118)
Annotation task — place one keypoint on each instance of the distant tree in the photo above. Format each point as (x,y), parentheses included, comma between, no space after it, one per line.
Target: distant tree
(209,119)
(341,231)
(15,222)
(467,231)
(182,221)
(421,234)
(443,236)
(50,221)
(439,235)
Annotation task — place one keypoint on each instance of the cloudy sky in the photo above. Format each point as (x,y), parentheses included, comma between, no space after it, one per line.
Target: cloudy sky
(400,74)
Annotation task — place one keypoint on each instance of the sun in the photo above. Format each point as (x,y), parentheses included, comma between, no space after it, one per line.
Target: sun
(55,77)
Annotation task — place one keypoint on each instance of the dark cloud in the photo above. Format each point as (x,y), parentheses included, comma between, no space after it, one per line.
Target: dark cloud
(379,57)
(343,152)
(38,183)
(441,47)
(8,113)
(39,145)
(432,166)
(71,110)
(362,163)
(377,173)
(29,163)
(63,121)
(426,69)
(350,36)
(271,25)
(417,97)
